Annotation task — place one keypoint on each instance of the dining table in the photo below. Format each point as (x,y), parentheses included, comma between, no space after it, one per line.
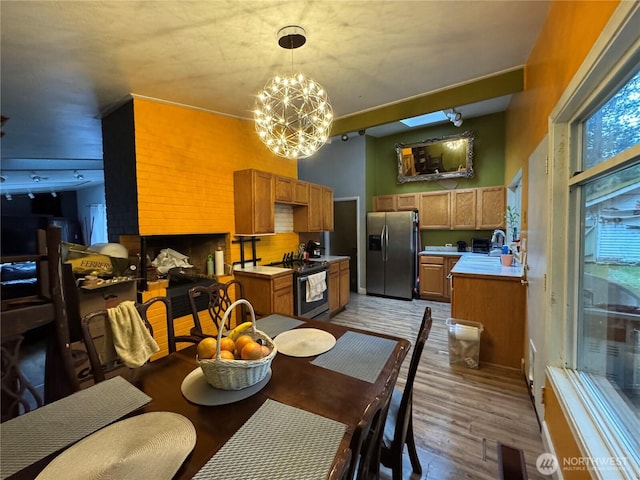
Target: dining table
(324,394)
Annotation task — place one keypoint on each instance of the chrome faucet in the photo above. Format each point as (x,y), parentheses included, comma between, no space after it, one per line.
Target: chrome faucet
(497,241)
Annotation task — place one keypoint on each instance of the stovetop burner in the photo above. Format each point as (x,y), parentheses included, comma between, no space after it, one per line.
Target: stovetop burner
(299,265)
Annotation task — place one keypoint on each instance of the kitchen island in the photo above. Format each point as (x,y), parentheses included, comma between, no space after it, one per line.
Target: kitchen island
(269,289)
(484,291)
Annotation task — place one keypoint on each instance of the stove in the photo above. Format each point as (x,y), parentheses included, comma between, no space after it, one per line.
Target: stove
(299,265)
(317,307)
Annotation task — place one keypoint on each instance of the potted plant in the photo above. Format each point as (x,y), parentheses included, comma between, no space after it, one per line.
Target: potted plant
(511,216)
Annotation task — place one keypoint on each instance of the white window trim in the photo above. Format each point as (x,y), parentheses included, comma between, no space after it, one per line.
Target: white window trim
(617,47)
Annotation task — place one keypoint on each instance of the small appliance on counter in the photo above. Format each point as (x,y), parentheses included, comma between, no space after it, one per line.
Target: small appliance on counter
(314,249)
(480,245)
(462,246)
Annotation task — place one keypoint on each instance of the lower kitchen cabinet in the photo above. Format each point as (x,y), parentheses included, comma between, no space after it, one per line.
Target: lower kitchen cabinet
(268,293)
(339,285)
(499,304)
(434,276)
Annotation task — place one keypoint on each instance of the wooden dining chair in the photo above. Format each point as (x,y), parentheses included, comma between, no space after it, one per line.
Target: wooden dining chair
(93,332)
(398,429)
(340,468)
(219,297)
(367,437)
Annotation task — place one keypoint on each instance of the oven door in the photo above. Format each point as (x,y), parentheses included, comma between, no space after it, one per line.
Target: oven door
(308,309)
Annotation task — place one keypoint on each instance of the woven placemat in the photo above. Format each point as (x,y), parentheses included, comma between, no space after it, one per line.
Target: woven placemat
(41,432)
(274,324)
(278,442)
(357,355)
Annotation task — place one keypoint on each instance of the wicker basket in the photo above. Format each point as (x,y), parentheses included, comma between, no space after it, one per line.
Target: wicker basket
(238,374)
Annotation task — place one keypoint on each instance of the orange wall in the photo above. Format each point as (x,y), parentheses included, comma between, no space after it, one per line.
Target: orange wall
(569,32)
(185,159)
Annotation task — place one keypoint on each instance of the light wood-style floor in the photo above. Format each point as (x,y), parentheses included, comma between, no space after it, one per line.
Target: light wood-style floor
(459,414)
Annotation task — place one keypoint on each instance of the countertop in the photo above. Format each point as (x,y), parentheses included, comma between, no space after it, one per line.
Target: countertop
(263,270)
(483,264)
(329,258)
(443,253)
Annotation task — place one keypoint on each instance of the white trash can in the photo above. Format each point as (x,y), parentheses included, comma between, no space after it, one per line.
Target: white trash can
(464,342)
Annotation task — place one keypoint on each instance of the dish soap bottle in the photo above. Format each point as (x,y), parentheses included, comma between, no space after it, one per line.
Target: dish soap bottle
(210,266)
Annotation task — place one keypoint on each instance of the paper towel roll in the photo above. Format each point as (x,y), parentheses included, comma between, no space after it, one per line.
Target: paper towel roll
(463,332)
(219,262)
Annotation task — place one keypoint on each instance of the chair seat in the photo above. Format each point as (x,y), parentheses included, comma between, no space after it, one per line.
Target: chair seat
(392,418)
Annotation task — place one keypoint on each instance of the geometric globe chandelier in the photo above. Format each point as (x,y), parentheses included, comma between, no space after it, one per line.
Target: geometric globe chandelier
(293,115)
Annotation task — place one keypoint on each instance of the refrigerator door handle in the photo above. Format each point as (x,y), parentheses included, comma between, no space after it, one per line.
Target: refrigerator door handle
(386,242)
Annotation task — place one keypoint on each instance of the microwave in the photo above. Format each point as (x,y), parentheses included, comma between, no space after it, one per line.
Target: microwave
(480,245)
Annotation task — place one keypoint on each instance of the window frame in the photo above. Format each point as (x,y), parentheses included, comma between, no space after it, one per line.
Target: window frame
(610,62)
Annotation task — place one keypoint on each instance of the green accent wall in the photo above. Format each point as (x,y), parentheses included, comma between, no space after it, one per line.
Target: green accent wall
(488,163)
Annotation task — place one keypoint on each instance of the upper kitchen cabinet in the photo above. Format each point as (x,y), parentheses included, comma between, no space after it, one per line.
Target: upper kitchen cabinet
(291,191)
(490,208)
(317,216)
(395,203)
(463,209)
(254,196)
(435,210)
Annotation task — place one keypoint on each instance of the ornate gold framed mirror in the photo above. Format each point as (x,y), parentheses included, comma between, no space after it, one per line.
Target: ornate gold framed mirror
(436,158)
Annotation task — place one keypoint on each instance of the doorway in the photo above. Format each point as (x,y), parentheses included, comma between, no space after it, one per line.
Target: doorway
(344,238)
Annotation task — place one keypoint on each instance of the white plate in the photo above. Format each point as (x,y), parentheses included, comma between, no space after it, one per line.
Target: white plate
(304,342)
(196,389)
(151,445)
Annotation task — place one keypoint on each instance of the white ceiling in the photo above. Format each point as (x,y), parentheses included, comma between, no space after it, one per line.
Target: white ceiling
(64,63)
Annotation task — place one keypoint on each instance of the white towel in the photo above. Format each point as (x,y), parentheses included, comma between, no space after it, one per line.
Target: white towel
(316,285)
(131,338)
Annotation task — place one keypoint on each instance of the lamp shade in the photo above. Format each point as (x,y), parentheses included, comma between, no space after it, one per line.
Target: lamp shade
(293,116)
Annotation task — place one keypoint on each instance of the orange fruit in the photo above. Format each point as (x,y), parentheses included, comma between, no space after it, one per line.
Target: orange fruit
(227,344)
(207,348)
(251,351)
(241,341)
(227,355)
(265,351)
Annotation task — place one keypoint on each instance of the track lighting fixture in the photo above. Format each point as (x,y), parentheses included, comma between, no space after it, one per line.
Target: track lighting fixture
(3,178)
(78,175)
(345,137)
(36,178)
(54,194)
(8,196)
(31,195)
(361,132)
(454,117)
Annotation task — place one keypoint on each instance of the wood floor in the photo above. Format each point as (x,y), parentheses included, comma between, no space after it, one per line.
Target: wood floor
(459,414)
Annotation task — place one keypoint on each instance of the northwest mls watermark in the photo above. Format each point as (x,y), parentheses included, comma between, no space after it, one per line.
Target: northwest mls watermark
(548,464)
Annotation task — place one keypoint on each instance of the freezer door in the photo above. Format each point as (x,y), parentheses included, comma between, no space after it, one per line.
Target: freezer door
(375,252)
(401,254)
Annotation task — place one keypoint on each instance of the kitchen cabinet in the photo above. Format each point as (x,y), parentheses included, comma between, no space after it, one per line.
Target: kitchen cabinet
(327,209)
(434,276)
(254,200)
(339,285)
(407,201)
(394,203)
(268,293)
(463,209)
(431,277)
(291,191)
(449,263)
(317,216)
(498,303)
(385,203)
(490,208)
(435,210)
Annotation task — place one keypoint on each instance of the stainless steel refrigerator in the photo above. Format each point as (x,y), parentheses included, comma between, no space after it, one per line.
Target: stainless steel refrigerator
(392,253)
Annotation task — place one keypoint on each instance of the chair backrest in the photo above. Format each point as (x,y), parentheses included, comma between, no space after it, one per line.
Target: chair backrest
(93,324)
(366,441)
(404,412)
(220,297)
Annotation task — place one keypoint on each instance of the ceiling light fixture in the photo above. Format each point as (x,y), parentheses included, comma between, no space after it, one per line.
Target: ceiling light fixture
(54,194)
(36,178)
(455,117)
(31,195)
(8,196)
(293,115)
(345,137)
(78,175)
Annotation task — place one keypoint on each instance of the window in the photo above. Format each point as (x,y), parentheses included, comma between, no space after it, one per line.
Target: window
(606,198)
